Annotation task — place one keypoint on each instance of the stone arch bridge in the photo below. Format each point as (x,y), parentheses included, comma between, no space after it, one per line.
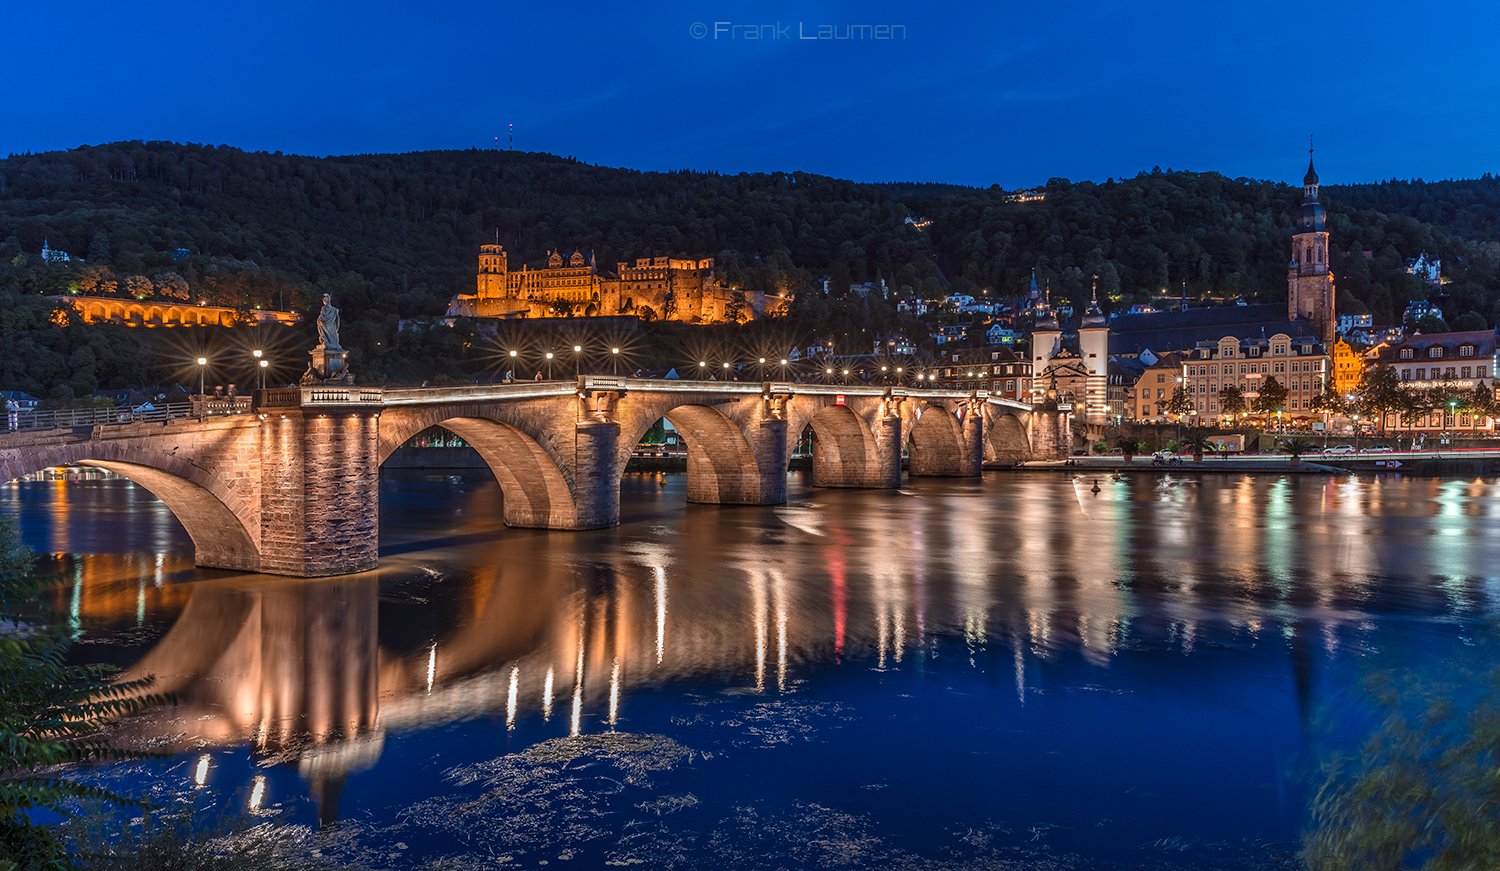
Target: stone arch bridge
(291,487)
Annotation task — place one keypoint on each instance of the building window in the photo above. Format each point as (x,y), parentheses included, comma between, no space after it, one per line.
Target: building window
(1405,374)
(1446,374)
(1421,374)
(1242,368)
(1010,387)
(1463,420)
(1160,393)
(1466,351)
(1160,377)
(1406,353)
(1467,372)
(1434,352)
(1479,372)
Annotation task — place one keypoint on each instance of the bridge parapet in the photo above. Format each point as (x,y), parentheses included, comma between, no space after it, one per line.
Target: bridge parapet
(310,397)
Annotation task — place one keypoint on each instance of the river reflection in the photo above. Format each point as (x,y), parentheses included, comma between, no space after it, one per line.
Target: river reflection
(1019,656)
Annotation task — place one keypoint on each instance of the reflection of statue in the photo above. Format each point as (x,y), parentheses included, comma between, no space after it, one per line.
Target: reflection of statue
(328,326)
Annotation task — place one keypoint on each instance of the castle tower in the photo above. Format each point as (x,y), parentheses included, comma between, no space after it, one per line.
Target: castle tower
(1093,347)
(1309,280)
(492,269)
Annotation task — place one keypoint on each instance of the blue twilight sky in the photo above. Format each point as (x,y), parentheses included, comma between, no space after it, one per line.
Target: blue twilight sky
(976,93)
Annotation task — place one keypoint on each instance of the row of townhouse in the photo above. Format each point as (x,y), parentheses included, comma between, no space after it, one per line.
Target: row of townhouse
(1300,364)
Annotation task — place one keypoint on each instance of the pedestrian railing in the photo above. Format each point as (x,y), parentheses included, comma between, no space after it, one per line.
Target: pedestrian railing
(62,418)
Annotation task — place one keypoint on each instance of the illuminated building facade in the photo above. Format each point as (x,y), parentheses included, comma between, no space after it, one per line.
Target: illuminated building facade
(1448,367)
(651,288)
(1348,367)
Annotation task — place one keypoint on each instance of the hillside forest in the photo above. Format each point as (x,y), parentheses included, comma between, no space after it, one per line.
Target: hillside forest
(394,236)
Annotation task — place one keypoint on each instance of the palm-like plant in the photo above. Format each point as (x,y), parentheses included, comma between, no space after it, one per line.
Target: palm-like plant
(1197,442)
(1130,447)
(1297,447)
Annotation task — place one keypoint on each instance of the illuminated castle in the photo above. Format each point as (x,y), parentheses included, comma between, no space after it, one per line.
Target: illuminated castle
(651,288)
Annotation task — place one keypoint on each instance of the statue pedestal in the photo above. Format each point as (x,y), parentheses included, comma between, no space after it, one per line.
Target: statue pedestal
(328,367)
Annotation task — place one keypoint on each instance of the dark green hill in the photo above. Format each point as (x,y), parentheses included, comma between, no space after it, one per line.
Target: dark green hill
(395,236)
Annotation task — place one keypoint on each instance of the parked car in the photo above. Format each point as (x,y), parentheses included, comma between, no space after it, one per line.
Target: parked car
(1341,449)
(1162,455)
(1379,449)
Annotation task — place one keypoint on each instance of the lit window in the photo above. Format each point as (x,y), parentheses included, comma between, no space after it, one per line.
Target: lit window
(1466,351)
(1406,353)
(1435,352)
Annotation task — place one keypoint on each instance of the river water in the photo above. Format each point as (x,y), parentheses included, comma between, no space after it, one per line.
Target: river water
(1010,672)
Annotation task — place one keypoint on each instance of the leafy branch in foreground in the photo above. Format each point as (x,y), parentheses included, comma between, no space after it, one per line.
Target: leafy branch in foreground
(51,714)
(1422,792)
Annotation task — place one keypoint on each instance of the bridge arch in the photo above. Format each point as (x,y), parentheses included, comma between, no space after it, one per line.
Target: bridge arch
(937,444)
(223,522)
(1007,441)
(845,451)
(536,492)
(732,457)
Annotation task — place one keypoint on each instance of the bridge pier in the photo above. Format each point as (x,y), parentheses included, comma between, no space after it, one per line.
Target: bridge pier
(320,501)
(596,487)
(768,441)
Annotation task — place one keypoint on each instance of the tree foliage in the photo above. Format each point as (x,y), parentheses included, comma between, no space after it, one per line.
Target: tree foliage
(1421,792)
(51,713)
(1271,397)
(395,236)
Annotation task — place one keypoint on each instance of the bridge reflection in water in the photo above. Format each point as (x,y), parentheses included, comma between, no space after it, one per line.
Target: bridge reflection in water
(467,619)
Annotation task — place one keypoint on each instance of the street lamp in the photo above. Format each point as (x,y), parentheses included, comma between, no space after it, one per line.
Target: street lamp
(202,400)
(614,361)
(577,358)
(549,365)
(762,371)
(513,356)
(263,365)
(702,370)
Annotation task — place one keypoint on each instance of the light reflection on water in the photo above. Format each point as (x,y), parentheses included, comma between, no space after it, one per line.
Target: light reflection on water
(1018,653)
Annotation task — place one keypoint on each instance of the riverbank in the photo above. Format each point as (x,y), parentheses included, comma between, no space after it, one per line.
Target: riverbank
(1433,465)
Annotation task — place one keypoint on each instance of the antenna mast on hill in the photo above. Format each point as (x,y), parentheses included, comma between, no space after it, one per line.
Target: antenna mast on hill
(513,136)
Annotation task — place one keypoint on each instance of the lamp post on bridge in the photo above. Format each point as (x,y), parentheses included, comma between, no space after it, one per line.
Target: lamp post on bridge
(614,361)
(260,364)
(577,360)
(513,356)
(549,365)
(202,400)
